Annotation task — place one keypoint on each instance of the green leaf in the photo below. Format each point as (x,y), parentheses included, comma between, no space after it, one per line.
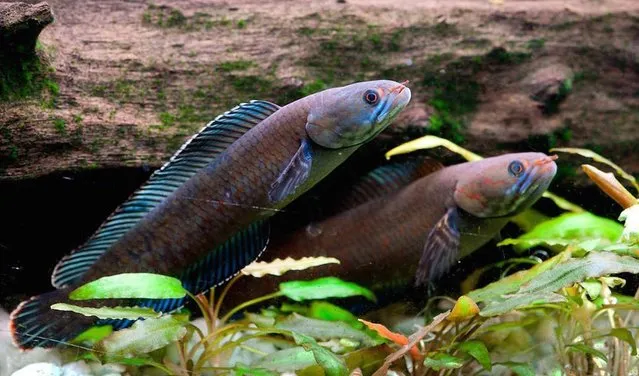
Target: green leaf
(324,330)
(368,359)
(513,282)
(145,336)
(93,334)
(287,360)
(592,287)
(520,369)
(333,366)
(499,306)
(541,288)
(443,361)
(329,312)
(595,264)
(430,142)
(477,350)
(465,309)
(626,336)
(117,313)
(323,288)
(131,285)
(580,347)
(568,229)
(242,370)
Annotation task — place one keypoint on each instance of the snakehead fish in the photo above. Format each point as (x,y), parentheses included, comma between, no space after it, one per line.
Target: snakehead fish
(405,226)
(204,215)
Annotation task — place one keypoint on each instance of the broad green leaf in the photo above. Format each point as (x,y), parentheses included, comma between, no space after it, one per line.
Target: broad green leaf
(626,336)
(499,306)
(93,334)
(145,336)
(333,366)
(596,157)
(324,330)
(430,142)
(367,359)
(519,369)
(323,288)
(465,309)
(513,282)
(131,285)
(279,266)
(330,312)
(242,370)
(541,288)
(569,227)
(477,350)
(593,288)
(595,264)
(287,360)
(118,313)
(580,347)
(443,361)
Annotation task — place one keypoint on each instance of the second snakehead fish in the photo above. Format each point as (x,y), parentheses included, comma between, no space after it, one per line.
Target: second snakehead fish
(404,225)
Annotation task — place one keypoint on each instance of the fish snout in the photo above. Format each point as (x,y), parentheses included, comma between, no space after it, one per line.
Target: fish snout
(402,95)
(547,165)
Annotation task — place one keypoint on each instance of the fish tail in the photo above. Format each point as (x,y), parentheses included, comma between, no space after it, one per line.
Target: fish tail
(35,324)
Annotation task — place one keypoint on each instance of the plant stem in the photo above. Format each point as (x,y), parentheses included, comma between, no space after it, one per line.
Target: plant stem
(249,303)
(218,305)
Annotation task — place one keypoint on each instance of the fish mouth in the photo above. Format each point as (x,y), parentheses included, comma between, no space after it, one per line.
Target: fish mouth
(539,177)
(398,97)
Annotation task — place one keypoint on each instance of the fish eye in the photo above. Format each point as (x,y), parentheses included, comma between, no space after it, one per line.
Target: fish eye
(371,97)
(515,168)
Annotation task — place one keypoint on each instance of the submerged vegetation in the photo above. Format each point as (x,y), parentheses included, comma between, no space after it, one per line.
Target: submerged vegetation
(563,315)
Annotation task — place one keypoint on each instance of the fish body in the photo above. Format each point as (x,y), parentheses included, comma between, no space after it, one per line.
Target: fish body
(204,215)
(414,234)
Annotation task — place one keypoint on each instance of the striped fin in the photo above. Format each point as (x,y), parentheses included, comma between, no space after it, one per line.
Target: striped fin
(196,153)
(386,179)
(441,250)
(219,265)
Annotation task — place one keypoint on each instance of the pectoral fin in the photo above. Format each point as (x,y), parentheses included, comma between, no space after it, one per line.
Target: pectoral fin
(294,175)
(441,250)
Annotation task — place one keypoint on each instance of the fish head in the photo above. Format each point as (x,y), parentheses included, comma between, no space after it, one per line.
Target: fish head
(354,114)
(504,185)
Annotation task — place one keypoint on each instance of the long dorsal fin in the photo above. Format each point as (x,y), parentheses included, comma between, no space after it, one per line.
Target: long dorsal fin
(196,153)
(219,265)
(384,180)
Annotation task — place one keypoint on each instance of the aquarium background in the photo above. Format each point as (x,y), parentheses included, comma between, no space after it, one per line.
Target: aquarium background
(112,88)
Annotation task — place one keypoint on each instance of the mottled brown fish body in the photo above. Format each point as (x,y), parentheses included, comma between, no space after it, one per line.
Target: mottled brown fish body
(217,202)
(212,205)
(377,242)
(380,243)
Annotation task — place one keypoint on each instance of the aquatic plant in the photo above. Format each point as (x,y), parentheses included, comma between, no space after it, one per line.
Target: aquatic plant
(561,315)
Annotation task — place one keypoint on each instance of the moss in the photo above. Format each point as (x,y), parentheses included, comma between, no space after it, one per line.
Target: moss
(165,16)
(29,76)
(241,24)
(234,65)
(536,44)
(60,125)
(502,56)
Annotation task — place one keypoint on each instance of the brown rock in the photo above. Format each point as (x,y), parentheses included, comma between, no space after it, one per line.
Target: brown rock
(20,25)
